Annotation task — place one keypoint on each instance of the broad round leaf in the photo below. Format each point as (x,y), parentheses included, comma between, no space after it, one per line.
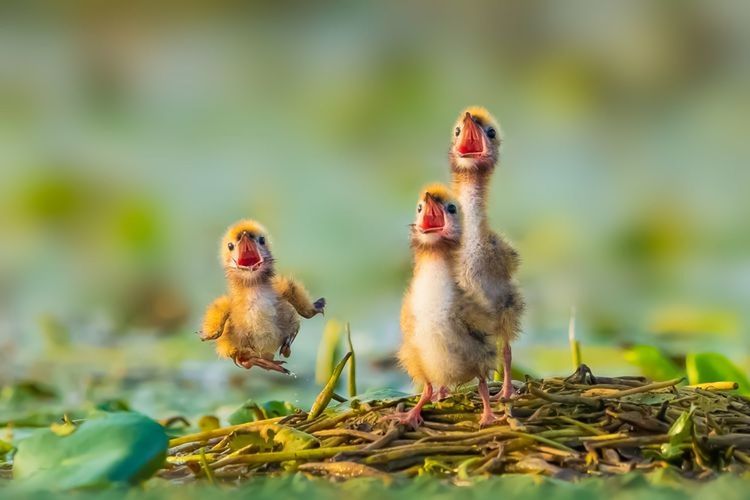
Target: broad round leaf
(119,448)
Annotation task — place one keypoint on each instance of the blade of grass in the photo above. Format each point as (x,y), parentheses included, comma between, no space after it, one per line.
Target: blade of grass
(207,469)
(352,363)
(321,402)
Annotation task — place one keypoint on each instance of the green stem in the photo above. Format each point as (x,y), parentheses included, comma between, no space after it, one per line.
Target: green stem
(283,456)
(352,364)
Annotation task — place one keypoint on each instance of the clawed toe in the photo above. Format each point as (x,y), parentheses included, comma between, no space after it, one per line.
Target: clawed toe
(266,364)
(320,305)
(410,418)
(488,419)
(504,396)
(212,336)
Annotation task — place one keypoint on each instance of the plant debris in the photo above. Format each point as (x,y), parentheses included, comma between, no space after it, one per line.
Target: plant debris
(570,427)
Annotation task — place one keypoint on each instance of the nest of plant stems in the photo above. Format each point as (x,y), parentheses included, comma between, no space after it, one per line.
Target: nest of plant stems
(571,427)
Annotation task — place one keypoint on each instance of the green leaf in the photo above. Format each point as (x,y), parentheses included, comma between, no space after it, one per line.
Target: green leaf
(113,405)
(119,448)
(383,394)
(64,428)
(292,439)
(5,448)
(274,437)
(653,363)
(714,367)
(208,423)
(25,391)
(681,428)
(250,411)
(680,433)
(278,408)
(321,402)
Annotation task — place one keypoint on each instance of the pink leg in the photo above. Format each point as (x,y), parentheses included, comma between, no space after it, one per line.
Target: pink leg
(413,417)
(266,364)
(488,418)
(508,389)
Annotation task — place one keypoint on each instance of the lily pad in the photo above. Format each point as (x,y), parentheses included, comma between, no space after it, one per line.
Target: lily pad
(250,411)
(119,448)
(383,394)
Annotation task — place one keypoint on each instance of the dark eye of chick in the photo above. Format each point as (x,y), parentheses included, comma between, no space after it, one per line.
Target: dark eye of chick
(419,208)
(262,240)
(451,208)
(491,133)
(230,246)
(458,131)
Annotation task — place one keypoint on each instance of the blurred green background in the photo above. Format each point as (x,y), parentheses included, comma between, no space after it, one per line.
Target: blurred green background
(132,135)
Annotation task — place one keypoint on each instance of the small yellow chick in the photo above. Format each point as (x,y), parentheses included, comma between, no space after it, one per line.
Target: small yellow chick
(258,315)
(446,341)
(487,262)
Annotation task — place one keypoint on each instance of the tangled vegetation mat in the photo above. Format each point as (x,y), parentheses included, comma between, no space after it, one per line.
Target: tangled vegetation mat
(579,426)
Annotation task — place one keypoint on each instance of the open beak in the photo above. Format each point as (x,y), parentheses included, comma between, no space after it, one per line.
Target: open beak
(433,217)
(248,254)
(471,140)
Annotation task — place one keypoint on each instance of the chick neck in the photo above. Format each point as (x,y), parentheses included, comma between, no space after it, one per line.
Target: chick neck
(471,188)
(239,283)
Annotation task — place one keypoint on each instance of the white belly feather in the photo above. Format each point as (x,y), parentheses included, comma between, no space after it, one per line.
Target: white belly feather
(432,298)
(264,334)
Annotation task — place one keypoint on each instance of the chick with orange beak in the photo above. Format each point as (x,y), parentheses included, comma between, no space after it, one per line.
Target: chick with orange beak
(487,262)
(259,314)
(445,335)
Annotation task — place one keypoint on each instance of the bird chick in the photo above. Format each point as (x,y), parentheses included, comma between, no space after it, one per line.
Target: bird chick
(259,314)
(487,262)
(445,335)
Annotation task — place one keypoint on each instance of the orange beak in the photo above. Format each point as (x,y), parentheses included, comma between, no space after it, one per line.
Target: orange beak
(433,217)
(248,254)
(471,140)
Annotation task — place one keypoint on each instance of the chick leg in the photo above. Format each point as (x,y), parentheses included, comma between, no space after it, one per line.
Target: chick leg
(248,362)
(413,417)
(508,389)
(297,296)
(488,418)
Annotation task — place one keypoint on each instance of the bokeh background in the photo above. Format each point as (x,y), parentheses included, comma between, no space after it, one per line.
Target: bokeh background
(132,134)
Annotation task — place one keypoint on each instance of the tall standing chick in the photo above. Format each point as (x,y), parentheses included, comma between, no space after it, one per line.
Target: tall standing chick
(258,315)
(445,338)
(487,261)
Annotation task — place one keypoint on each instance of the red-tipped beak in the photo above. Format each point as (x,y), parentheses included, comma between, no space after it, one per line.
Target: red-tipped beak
(248,254)
(471,140)
(433,217)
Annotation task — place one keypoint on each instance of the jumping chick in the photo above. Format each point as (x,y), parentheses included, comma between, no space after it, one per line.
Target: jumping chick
(258,316)
(487,260)
(444,339)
